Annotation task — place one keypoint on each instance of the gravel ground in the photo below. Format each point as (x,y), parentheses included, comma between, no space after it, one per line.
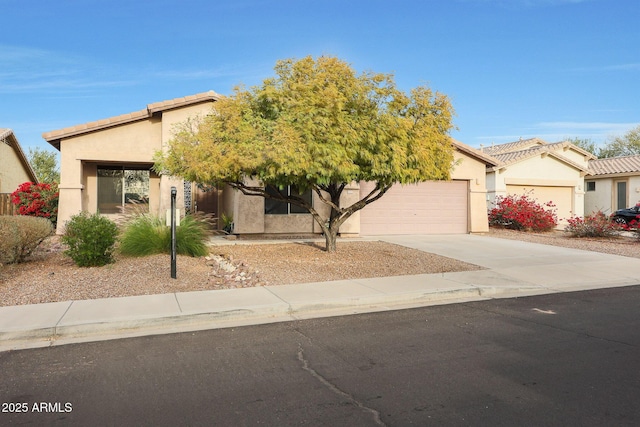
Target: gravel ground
(625,245)
(50,276)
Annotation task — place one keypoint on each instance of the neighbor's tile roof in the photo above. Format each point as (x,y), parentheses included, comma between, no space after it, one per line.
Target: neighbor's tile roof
(535,147)
(615,165)
(508,147)
(55,136)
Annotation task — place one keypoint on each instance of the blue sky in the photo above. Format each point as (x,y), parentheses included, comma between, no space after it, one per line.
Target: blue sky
(512,68)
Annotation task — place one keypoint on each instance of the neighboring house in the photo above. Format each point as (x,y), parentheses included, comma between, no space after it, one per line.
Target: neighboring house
(547,172)
(612,184)
(107,164)
(15,169)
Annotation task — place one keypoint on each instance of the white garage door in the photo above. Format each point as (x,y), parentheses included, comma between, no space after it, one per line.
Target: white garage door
(434,207)
(562,197)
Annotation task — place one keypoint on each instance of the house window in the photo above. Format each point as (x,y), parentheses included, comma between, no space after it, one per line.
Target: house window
(276,207)
(591,185)
(621,194)
(119,187)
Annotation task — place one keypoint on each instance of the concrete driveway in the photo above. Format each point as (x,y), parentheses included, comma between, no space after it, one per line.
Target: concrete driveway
(525,263)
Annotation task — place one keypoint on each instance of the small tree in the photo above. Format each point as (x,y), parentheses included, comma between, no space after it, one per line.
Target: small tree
(317,126)
(626,145)
(45,165)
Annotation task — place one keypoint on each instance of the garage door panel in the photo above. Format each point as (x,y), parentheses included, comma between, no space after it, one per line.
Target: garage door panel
(435,207)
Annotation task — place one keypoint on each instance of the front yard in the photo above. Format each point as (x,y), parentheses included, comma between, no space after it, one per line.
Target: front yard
(50,276)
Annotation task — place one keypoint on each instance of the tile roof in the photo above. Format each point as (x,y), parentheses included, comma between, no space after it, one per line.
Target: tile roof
(615,165)
(55,136)
(517,151)
(7,135)
(522,144)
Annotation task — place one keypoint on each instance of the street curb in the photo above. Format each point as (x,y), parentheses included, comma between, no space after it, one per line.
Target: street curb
(143,326)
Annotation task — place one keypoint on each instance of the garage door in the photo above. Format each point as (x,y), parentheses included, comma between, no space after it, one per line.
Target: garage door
(562,197)
(434,207)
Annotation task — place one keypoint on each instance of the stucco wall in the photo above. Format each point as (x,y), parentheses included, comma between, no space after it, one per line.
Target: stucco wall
(539,171)
(603,198)
(133,143)
(12,171)
(574,155)
(634,191)
(474,171)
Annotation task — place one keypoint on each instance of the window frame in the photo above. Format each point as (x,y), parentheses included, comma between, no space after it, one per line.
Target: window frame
(277,207)
(124,195)
(590,186)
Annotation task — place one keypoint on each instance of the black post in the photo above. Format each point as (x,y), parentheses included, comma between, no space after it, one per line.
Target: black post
(173,232)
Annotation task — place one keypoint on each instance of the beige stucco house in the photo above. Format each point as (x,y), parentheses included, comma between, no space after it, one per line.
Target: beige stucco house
(107,164)
(612,184)
(434,207)
(547,172)
(15,169)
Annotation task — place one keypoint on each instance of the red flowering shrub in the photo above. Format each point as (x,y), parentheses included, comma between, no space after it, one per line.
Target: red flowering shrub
(633,226)
(596,224)
(37,200)
(523,213)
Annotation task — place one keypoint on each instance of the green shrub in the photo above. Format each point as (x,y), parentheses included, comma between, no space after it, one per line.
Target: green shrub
(145,234)
(190,237)
(91,239)
(20,235)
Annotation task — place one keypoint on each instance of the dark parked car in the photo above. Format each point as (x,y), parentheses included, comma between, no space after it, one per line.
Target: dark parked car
(625,216)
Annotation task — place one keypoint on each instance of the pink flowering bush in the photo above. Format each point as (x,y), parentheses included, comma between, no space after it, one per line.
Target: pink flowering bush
(39,200)
(596,224)
(521,212)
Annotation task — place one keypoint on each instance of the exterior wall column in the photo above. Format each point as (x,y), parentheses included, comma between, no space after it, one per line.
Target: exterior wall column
(248,211)
(166,182)
(70,192)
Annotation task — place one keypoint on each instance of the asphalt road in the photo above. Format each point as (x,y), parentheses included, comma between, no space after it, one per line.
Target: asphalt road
(565,359)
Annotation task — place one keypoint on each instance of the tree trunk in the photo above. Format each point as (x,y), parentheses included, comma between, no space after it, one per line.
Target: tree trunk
(330,237)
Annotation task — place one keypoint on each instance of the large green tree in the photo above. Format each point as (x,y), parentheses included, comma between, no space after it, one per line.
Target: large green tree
(318,125)
(586,144)
(625,145)
(45,165)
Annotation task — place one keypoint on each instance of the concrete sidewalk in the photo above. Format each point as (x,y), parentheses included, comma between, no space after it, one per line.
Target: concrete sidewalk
(512,268)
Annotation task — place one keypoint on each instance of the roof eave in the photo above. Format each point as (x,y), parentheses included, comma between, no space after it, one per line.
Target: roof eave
(483,157)
(55,137)
(8,134)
